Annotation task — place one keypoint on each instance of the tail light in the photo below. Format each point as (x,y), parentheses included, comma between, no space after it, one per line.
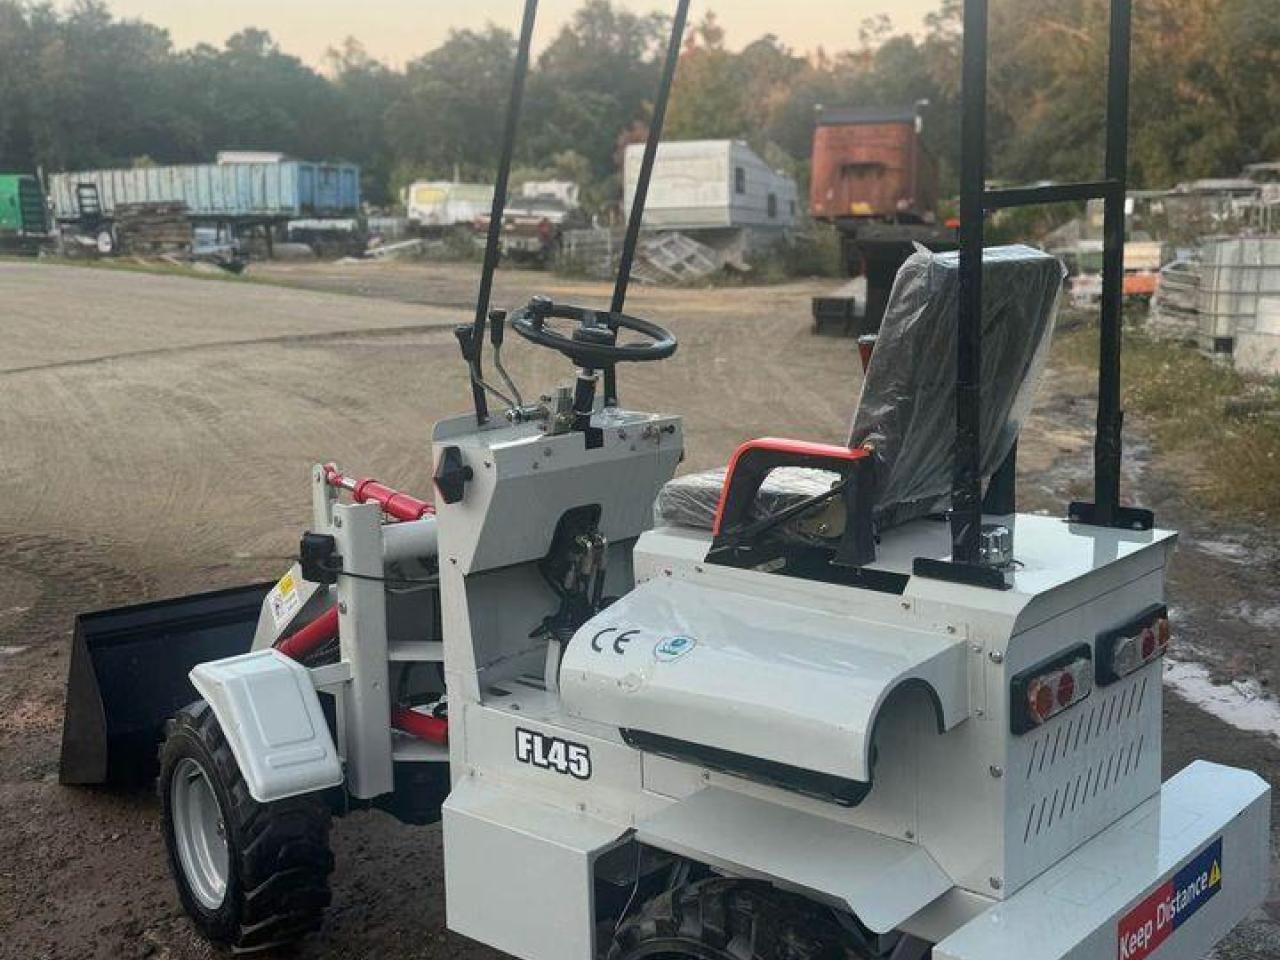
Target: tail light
(1050,688)
(1134,645)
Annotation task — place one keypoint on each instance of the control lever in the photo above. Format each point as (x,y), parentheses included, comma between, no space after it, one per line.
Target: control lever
(467,343)
(497,328)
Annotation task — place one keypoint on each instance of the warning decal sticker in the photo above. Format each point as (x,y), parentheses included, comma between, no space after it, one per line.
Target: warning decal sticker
(1172,904)
(284,601)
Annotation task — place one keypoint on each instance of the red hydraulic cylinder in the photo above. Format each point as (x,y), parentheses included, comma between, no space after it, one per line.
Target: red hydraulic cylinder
(402,506)
(311,637)
(431,729)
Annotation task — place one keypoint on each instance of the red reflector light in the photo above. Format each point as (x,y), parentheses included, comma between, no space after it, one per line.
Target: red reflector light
(1040,695)
(1045,691)
(1066,689)
(1131,647)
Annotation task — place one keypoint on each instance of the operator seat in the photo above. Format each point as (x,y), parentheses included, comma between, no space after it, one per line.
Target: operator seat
(906,412)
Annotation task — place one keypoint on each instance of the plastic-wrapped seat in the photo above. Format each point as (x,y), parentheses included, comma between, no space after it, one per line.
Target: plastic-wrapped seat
(906,411)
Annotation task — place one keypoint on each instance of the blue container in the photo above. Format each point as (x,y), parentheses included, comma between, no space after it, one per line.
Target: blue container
(233,191)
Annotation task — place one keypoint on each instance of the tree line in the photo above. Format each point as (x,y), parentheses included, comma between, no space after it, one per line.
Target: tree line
(82,88)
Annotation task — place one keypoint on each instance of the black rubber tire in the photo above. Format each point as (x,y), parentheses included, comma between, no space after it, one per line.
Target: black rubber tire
(726,919)
(280,861)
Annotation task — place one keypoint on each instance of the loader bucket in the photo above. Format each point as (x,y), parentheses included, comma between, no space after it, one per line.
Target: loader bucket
(128,675)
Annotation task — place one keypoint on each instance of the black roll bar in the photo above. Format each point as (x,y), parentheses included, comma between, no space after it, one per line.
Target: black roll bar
(632,239)
(496,210)
(975,201)
(475,342)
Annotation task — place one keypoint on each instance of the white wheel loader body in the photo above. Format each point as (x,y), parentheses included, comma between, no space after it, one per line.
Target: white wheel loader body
(870,710)
(968,834)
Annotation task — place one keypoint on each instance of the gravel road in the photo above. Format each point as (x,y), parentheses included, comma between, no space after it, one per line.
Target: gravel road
(157,433)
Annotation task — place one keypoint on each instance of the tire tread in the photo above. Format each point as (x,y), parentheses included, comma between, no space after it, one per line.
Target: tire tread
(282,855)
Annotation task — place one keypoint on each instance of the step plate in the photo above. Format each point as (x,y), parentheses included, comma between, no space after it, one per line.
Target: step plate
(754,838)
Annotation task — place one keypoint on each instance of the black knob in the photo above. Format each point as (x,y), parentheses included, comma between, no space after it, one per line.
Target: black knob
(466,337)
(451,475)
(497,326)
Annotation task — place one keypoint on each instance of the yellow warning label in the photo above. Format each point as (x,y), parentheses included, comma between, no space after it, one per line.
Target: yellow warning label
(284,601)
(1215,875)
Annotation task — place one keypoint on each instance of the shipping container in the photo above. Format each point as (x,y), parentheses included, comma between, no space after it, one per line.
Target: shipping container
(252,192)
(871,163)
(711,185)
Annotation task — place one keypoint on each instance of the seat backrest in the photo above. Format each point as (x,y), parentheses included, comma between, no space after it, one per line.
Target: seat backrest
(907,410)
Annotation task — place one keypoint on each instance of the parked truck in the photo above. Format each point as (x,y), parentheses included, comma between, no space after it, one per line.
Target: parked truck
(875,180)
(23,220)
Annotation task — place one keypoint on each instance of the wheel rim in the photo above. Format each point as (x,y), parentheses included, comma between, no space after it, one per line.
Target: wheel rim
(200,833)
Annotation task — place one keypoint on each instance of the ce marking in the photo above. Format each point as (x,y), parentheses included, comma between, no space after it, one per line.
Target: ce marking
(619,642)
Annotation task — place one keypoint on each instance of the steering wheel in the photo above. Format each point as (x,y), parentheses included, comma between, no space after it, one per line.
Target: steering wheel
(594,343)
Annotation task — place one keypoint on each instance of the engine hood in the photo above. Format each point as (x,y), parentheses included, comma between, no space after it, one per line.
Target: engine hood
(726,678)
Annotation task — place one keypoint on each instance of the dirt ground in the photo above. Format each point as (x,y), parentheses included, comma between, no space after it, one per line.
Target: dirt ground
(157,433)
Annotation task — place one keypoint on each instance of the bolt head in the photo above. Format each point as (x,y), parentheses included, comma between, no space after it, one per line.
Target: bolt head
(997,771)
(996,656)
(342,606)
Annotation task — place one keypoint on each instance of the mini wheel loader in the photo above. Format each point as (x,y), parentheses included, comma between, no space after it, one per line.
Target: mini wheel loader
(834,701)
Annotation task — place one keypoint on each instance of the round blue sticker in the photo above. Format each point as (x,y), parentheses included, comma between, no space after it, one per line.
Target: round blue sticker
(673,648)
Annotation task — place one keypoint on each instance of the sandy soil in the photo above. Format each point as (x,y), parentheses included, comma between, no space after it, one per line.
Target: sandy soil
(157,434)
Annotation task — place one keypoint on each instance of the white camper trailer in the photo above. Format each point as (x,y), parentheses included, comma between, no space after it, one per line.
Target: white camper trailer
(712,185)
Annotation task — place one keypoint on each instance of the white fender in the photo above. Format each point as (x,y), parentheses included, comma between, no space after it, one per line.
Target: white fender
(270,714)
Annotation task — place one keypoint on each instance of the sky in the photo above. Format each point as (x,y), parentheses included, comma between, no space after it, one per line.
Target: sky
(398,30)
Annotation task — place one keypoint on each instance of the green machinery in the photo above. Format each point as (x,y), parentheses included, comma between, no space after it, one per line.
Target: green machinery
(23,221)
